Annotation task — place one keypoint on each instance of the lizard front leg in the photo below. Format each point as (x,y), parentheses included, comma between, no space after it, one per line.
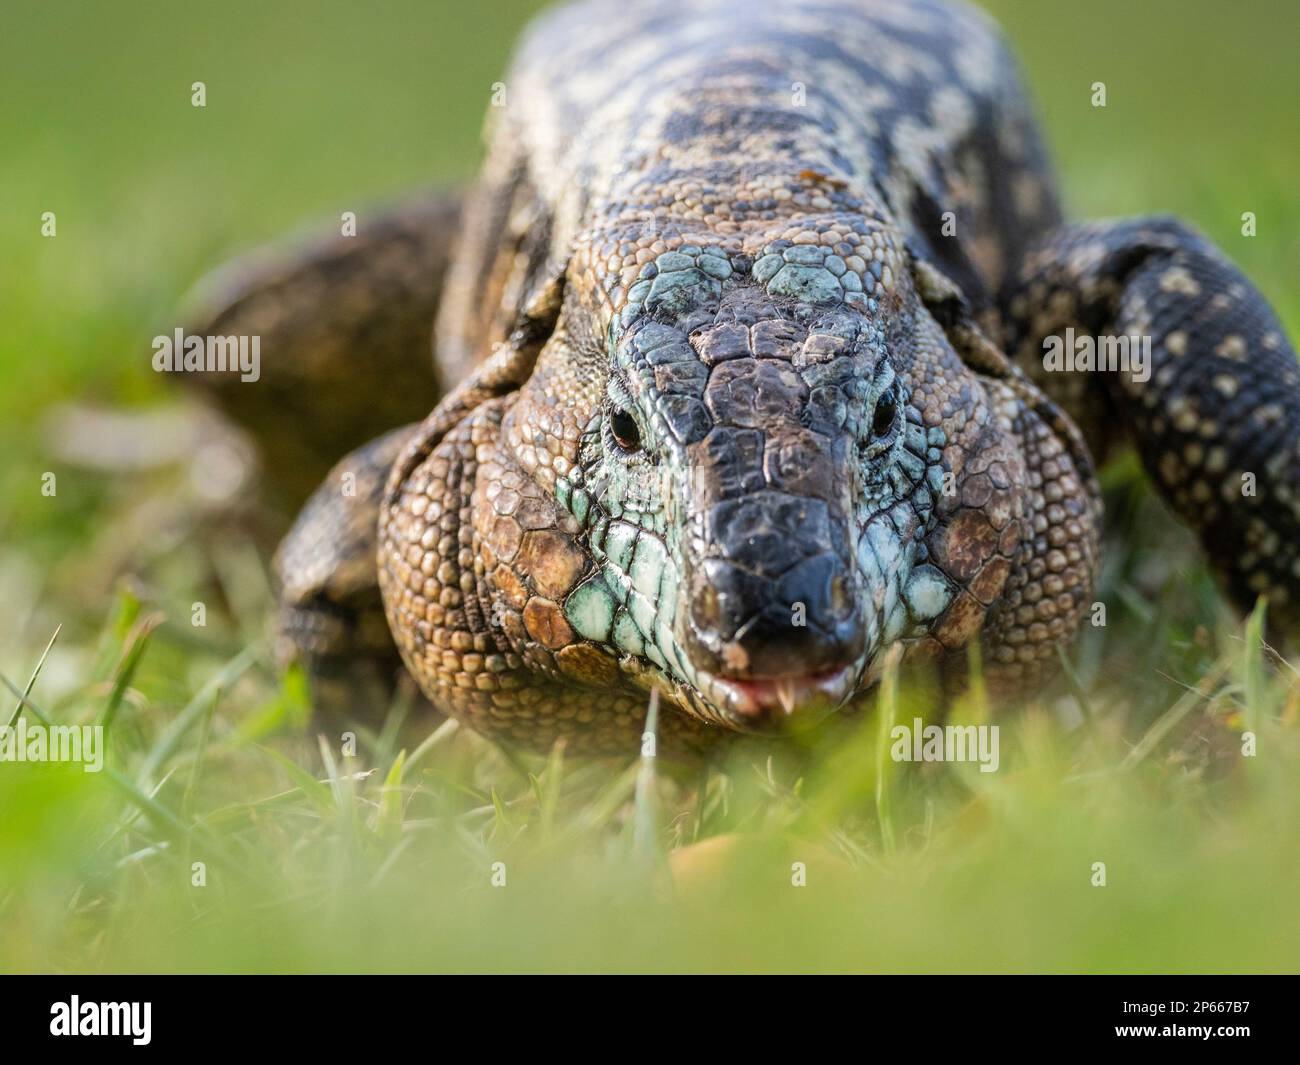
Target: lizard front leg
(1215,409)
(343,324)
(330,618)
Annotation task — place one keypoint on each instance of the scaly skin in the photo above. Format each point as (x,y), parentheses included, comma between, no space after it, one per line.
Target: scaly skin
(734,414)
(743,284)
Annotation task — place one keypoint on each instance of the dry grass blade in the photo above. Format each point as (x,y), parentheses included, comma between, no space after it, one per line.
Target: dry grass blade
(1169,720)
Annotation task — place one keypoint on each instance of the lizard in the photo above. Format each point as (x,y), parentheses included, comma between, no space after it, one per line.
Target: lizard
(740,341)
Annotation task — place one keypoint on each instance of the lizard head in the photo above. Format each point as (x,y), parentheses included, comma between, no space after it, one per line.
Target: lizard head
(755,463)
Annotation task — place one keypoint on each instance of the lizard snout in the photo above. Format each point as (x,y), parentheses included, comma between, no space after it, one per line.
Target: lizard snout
(772,598)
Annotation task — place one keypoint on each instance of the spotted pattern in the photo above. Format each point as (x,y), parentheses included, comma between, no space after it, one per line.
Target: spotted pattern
(1217,421)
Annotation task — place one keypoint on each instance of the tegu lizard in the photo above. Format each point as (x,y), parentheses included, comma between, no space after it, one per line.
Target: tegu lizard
(741,342)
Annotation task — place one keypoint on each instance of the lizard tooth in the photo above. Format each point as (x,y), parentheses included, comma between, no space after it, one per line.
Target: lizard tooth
(785,693)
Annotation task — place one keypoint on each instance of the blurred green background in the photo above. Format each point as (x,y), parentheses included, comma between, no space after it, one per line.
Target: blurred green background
(315,108)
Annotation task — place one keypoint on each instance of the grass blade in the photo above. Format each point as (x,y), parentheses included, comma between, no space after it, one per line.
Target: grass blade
(128,665)
(887,711)
(18,707)
(645,798)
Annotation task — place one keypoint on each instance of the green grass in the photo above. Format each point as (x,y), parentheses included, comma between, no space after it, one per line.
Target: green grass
(385,860)
(316,861)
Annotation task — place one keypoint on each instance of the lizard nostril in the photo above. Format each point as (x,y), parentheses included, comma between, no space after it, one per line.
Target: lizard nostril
(841,597)
(626,434)
(708,610)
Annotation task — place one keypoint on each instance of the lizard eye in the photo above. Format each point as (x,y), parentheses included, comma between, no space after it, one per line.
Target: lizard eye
(883,420)
(626,434)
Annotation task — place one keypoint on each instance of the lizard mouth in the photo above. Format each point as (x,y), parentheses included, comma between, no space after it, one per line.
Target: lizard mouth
(767,701)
